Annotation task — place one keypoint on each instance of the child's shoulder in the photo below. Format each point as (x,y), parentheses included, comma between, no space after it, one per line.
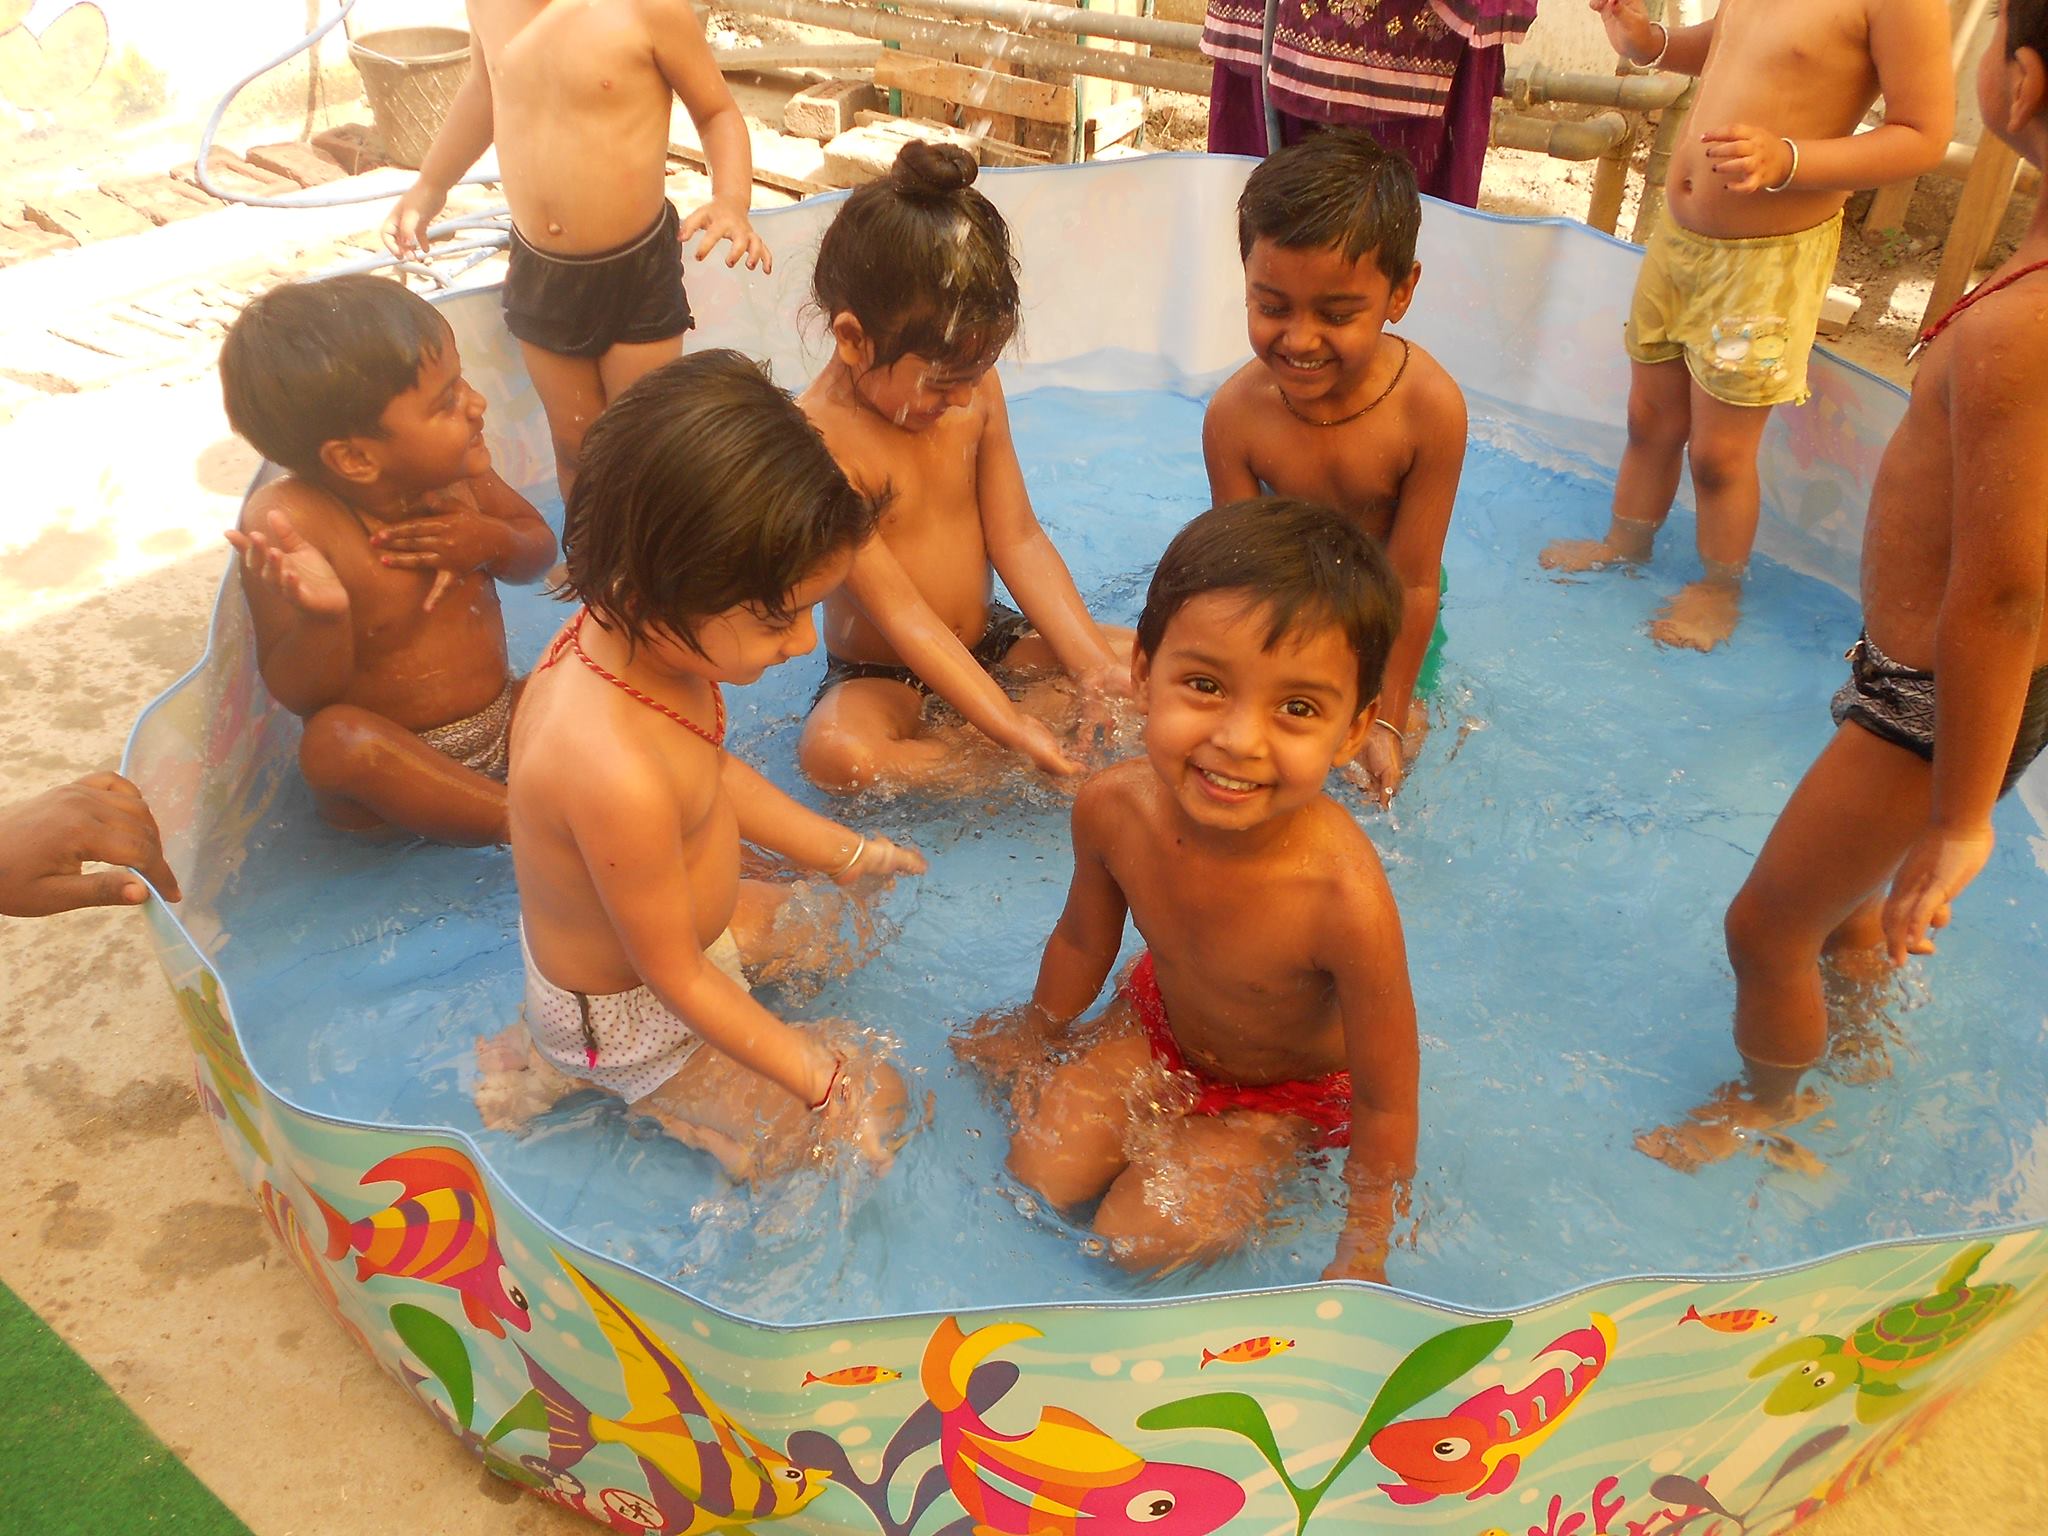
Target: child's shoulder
(1435,400)
(318,514)
(1109,798)
(1247,387)
(1994,351)
(1346,857)
(587,745)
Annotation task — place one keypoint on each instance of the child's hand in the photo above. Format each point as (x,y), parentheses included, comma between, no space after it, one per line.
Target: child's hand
(718,221)
(1037,742)
(1103,690)
(452,540)
(1933,874)
(1005,1043)
(879,858)
(867,1109)
(283,561)
(1629,29)
(1748,159)
(405,230)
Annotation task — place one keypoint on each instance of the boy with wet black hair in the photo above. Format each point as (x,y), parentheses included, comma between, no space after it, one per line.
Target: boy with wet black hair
(1272,1005)
(708,520)
(1335,409)
(1947,699)
(371,567)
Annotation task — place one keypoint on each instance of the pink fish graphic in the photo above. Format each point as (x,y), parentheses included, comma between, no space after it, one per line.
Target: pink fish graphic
(1063,1476)
(1479,1446)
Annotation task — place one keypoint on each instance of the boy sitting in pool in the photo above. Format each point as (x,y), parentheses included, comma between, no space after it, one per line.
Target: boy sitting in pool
(1729,292)
(1947,698)
(371,566)
(916,280)
(706,522)
(578,99)
(1335,409)
(1272,1006)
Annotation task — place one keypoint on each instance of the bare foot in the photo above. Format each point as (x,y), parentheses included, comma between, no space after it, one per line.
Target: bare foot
(1859,985)
(513,1083)
(1700,616)
(1732,1122)
(1583,555)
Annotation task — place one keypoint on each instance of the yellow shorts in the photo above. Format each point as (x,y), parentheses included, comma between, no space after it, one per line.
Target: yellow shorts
(1742,313)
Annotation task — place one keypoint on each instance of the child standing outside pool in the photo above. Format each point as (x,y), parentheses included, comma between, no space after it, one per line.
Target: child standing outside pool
(371,568)
(577,97)
(916,281)
(1731,286)
(1273,1003)
(1947,698)
(1335,409)
(707,522)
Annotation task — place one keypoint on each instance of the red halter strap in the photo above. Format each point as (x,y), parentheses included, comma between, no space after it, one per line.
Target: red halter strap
(1981,291)
(571,638)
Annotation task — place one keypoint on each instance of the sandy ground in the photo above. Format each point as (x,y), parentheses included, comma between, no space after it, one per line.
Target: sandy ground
(130,1235)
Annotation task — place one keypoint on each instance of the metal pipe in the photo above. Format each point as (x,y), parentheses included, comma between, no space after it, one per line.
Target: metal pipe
(1269,29)
(1526,86)
(1066,20)
(788,56)
(1669,126)
(1587,140)
(984,43)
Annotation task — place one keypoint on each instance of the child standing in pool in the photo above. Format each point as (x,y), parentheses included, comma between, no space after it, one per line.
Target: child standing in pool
(916,281)
(371,568)
(706,523)
(1947,698)
(1274,994)
(1730,289)
(577,98)
(1335,409)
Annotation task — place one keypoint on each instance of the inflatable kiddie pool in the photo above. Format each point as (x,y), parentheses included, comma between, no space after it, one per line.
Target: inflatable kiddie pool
(609,1365)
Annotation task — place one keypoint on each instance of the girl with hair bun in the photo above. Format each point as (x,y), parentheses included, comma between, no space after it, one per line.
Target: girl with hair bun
(918,287)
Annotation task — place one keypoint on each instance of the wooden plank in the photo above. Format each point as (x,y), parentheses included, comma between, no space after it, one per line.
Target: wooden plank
(796,186)
(1979,211)
(1113,123)
(1888,208)
(1012,95)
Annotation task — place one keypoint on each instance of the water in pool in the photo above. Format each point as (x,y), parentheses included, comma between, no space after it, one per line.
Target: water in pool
(1584,809)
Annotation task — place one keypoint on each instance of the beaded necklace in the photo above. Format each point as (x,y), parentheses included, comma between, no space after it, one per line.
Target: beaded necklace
(1295,411)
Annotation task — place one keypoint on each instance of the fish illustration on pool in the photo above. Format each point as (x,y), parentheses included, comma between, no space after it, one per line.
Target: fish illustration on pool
(853,1376)
(704,1471)
(1063,1476)
(1741,1320)
(1478,1447)
(1262,1348)
(440,1230)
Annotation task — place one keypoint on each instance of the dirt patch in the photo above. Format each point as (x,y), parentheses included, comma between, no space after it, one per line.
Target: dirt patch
(145,1109)
(203,1237)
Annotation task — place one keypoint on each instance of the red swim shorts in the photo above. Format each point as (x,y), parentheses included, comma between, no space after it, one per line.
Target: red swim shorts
(1325,1102)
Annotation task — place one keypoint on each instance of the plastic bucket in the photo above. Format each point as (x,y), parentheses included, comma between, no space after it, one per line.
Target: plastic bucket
(411,75)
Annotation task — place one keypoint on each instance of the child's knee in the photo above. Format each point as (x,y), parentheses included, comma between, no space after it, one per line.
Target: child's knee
(1721,465)
(836,760)
(335,745)
(1759,931)
(1044,1165)
(1650,425)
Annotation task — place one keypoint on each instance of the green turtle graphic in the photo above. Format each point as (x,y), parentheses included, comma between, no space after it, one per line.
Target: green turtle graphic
(1903,1337)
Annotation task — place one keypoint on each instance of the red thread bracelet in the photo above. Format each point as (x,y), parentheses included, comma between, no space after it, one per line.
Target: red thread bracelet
(838,1066)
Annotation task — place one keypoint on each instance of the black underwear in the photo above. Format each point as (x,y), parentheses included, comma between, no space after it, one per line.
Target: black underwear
(1006,626)
(583,306)
(1896,704)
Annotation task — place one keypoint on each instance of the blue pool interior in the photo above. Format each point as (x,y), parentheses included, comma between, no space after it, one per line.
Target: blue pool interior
(1585,806)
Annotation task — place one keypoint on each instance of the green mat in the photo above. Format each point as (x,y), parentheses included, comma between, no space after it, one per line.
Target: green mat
(80,1460)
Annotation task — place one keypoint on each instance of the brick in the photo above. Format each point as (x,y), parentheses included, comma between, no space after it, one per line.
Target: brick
(23,241)
(301,163)
(1838,311)
(85,214)
(865,153)
(826,110)
(352,146)
(231,173)
(159,199)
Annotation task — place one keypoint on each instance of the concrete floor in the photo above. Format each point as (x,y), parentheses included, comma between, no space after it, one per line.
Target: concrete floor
(131,1237)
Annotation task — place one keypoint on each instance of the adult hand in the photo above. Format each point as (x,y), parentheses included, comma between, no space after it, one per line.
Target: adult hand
(1930,878)
(1382,763)
(1748,159)
(718,221)
(405,229)
(282,560)
(1630,31)
(44,842)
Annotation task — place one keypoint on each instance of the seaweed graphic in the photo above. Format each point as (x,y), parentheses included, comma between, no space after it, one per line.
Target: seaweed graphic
(438,1345)
(1430,1367)
(1699,1503)
(820,1452)
(214,1040)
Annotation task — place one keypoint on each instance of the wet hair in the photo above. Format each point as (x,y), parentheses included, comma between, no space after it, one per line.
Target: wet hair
(2026,26)
(1335,189)
(1304,565)
(703,488)
(307,363)
(922,261)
